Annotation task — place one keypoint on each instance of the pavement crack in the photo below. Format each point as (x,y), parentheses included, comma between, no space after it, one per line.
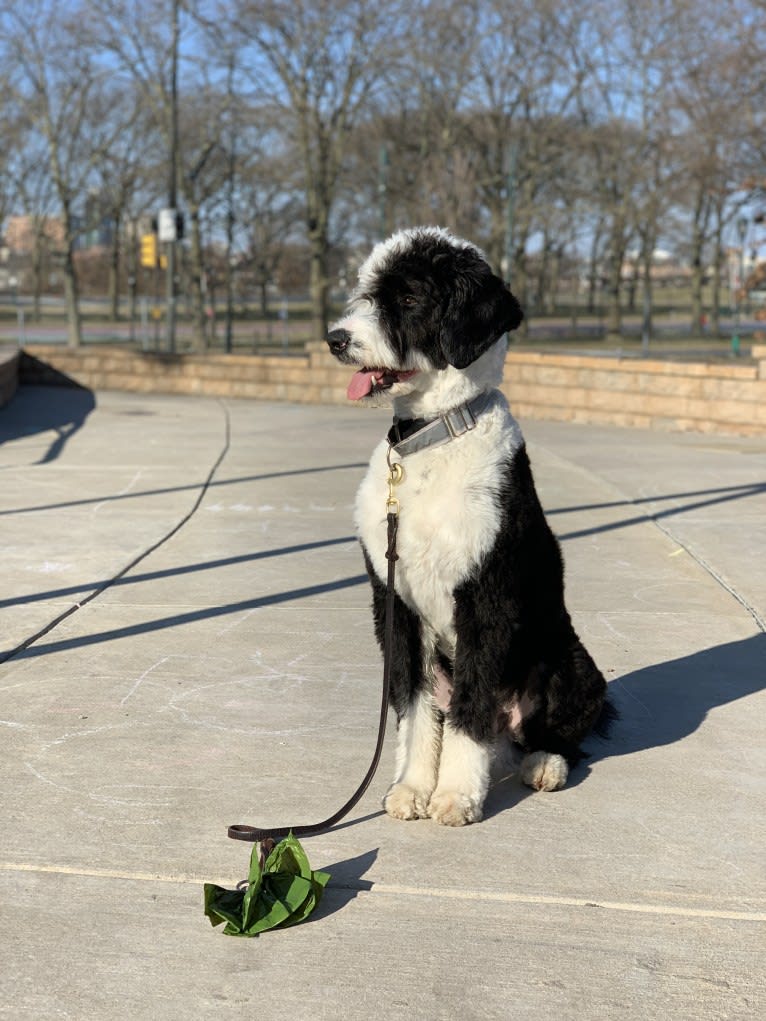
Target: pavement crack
(715,575)
(11,653)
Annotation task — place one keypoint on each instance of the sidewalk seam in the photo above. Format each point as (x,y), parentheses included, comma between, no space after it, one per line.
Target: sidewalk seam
(395,889)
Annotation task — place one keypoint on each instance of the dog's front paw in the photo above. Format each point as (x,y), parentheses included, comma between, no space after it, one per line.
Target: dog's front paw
(404,802)
(544,771)
(451,808)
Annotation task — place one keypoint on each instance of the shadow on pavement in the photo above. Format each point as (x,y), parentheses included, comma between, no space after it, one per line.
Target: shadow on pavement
(32,651)
(714,497)
(161,491)
(662,704)
(345,883)
(205,565)
(61,408)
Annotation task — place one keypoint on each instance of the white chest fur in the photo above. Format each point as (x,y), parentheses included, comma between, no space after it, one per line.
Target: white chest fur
(449,516)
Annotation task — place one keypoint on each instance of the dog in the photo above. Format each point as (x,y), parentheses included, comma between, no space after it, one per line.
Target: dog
(485,657)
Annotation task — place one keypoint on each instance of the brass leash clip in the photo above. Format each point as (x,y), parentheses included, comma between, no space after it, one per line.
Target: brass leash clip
(395,476)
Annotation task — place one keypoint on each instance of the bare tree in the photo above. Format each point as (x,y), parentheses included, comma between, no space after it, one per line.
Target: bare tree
(541,130)
(34,192)
(268,214)
(121,174)
(317,62)
(204,168)
(432,165)
(625,54)
(140,38)
(9,140)
(60,87)
(711,98)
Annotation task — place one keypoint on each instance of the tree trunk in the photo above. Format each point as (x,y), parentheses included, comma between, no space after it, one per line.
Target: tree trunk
(520,286)
(196,273)
(633,287)
(542,275)
(697,306)
(37,277)
(699,227)
(229,327)
(593,268)
(74,326)
(212,318)
(648,298)
(614,283)
(131,265)
(114,270)
(496,246)
(715,311)
(319,285)
(697,280)
(554,280)
(613,310)
(575,308)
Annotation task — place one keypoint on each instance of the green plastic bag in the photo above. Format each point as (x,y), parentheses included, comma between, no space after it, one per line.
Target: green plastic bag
(283,890)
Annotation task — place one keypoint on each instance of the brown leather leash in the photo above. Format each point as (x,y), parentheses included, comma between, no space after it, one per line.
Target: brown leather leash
(241,831)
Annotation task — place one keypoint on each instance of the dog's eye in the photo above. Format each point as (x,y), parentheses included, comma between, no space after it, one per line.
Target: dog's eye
(409,300)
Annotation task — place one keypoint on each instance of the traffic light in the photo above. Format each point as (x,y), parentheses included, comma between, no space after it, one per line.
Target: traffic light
(149,250)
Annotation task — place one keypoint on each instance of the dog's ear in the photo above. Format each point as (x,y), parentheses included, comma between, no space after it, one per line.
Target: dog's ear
(480,310)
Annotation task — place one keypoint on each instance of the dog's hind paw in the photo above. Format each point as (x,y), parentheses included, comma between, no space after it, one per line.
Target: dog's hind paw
(544,771)
(404,802)
(451,808)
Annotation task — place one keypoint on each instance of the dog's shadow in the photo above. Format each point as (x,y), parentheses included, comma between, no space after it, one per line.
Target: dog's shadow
(505,793)
(660,705)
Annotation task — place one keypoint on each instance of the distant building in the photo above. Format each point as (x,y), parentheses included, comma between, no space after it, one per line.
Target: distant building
(94,231)
(21,231)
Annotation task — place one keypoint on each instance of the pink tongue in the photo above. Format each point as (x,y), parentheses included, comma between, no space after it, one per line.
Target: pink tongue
(361,384)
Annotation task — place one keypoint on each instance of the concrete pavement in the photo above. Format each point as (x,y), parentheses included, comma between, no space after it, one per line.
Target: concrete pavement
(231,675)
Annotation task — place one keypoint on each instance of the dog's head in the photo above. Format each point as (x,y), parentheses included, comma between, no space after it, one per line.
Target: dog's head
(426,302)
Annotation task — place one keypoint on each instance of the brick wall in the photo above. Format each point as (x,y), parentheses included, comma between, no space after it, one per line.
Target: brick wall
(726,397)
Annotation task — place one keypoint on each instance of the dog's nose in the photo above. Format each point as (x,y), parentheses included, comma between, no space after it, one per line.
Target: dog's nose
(338,340)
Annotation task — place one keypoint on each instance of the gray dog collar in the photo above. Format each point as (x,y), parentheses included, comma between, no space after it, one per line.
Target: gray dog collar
(409,436)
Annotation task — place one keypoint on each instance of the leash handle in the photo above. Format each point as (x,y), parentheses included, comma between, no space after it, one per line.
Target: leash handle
(241,831)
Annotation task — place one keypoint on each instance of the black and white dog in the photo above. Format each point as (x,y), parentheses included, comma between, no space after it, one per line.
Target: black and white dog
(484,649)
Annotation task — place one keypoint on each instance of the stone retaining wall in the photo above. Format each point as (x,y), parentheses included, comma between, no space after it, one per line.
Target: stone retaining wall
(725,397)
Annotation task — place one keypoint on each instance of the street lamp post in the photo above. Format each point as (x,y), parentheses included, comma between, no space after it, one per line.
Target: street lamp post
(172,184)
